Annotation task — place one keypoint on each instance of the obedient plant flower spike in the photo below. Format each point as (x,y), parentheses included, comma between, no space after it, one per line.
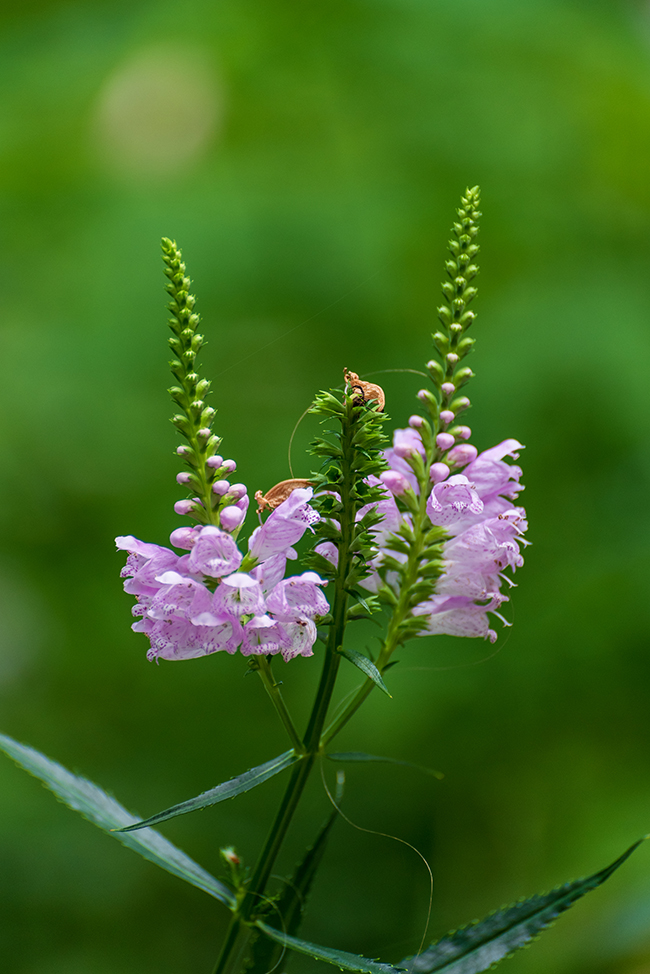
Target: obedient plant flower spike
(341,492)
(196,419)
(455,317)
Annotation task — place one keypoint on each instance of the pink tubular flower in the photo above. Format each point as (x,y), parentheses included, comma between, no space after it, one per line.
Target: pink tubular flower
(231,517)
(395,481)
(456,616)
(214,553)
(302,636)
(450,499)
(298,598)
(264,636)
(406,442)
(238,595)
(485,534)
(284,526)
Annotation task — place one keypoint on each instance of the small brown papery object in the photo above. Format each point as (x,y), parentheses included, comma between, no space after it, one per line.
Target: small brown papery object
(366,391)
(274,497)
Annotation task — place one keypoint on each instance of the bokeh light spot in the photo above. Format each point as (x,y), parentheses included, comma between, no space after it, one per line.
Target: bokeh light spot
(157,112)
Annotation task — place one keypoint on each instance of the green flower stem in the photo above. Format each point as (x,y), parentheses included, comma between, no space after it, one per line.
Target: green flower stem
(263,667)
(254,896)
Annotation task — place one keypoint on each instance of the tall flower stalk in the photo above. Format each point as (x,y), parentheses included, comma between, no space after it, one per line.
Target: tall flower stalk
(418,534)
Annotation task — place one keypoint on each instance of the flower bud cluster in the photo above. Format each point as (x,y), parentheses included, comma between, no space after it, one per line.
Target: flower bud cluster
(451,341)
(482,528)
(211,598)
(214,500)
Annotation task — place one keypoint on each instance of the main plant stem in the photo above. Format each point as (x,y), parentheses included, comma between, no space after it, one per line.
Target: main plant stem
(229,959)
(393,636)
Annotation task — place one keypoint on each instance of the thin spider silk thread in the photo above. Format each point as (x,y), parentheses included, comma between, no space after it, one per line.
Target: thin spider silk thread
(306,320)
(386,835)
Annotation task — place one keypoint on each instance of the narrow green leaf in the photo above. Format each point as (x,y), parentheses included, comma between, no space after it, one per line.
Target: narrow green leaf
(291,905)
(361,756)
(366,666)
(227,789)
(477,947)
(98,807)
(339,958)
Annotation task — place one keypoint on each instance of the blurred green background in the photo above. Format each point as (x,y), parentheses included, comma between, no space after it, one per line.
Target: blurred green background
(308,158)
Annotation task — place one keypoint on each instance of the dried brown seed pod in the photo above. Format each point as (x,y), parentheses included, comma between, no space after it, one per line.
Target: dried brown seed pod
(274,497)
(366,392)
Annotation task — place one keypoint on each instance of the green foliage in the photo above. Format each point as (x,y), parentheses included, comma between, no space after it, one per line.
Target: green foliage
(221,793)
(292,902)
(341,487)
(94,804)
(366,666)
(455,317)
(482,944)
(339,958)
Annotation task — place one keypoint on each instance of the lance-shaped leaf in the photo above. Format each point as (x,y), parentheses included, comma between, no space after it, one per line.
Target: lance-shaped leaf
(477,947)
(339,958)
(366,666)
(361,757)
(98,807)
(291,904)
(227,789)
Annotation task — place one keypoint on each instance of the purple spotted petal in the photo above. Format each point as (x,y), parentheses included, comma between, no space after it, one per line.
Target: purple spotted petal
(239,595)
(214,553)
(302,636)
(298,598)
(264,636)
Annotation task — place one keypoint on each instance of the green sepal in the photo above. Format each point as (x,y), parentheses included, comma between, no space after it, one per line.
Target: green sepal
(482,944)
(363,609)
(360,757)
(227,789)
(366,666)
(339,958)
(95,805)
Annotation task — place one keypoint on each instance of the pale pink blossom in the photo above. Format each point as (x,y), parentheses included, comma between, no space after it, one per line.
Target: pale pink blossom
(298,597)
(284,526)
(214,553)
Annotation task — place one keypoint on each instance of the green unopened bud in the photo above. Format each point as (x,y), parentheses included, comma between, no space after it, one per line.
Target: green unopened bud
(178,395)
(463,376)
(436,371)
(458,405)
(441,342)
(194,422)
(465,345)
(181,423)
